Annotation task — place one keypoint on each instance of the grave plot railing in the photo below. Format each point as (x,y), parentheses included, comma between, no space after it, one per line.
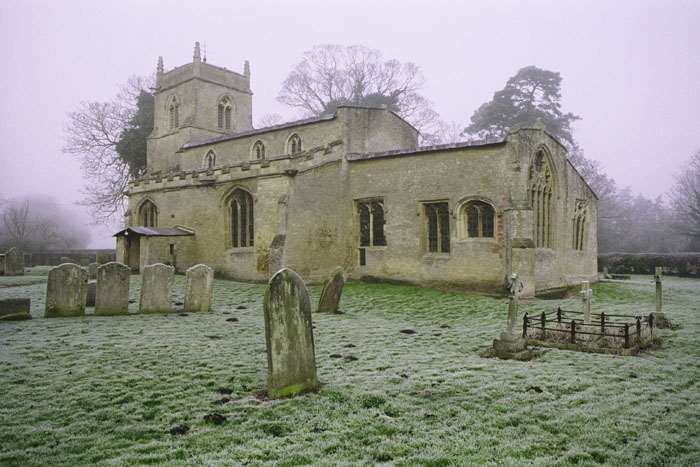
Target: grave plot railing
(570,325)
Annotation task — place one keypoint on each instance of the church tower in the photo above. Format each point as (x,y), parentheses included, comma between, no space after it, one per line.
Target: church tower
(196,101)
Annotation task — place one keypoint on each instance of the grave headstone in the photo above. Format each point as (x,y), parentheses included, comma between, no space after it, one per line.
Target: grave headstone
(291,360)
(199,280)
(331,293)
(156,282)
(66,291)
(276,253)
(2,264)
(14,262)
(91,292)
(112,296)
(14,309)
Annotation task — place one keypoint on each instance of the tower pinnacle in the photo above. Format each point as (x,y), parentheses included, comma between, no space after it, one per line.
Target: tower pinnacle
(197,54)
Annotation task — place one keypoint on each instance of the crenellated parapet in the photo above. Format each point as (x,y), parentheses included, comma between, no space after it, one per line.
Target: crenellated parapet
(272,166)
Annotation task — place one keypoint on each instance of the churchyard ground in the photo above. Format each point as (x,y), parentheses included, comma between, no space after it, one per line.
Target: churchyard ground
(109,390)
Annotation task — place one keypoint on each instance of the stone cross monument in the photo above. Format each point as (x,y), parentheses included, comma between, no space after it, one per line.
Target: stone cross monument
(586,295)
(515,286)
(508,345)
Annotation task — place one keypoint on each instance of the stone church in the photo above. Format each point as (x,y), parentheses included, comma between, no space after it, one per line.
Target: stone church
(351,189)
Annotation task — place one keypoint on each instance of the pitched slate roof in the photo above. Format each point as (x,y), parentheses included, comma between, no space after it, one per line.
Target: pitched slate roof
(154,232)
(281,126)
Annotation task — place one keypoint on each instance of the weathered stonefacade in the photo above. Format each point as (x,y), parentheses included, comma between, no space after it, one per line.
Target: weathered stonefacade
(358,193)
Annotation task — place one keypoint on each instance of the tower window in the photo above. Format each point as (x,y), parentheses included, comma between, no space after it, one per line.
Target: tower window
(371,214)
(224,113)
(242,219)
(174,109)
(258,150)
(148,214)
(437,217)
(294,144)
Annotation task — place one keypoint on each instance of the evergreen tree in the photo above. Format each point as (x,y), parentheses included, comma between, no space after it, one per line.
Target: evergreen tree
(131,146)
(532,94)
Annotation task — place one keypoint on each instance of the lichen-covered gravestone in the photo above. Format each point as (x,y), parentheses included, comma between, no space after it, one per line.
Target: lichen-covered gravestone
(156,282)
(14,262)
(112,296)
(332,290)
(66,291)
(291,359)
(199,280)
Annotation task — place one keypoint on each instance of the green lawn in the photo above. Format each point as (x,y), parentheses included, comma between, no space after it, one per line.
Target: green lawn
(108,390)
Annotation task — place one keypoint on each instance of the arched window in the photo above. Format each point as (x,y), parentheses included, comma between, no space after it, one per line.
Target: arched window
(258,151)
(294,144)
(242,219)
(437,216)
(174,110)
(541,189)
(478,219)
(224,113)
(148,214)
(578,228)
(371,215)
(209,160)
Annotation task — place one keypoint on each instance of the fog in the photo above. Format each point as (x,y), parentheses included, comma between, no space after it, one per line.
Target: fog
(631,69)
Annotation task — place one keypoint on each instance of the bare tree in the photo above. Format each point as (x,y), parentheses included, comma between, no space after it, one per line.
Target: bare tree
(269,120)
(331,75)
(445,133)
(38,223)
(17,226)
(92,134)
(685,200)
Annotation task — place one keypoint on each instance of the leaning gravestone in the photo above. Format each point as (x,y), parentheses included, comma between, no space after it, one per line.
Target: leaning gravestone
(92,271)
(14,262)
(291,360)
(332,290)
(156,282)
(112,296)
(66,291)
(198,285)
(14,309)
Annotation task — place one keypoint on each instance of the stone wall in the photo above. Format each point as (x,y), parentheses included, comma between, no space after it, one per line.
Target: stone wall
(240,149)
(561,265)
(309,202)
(198,88)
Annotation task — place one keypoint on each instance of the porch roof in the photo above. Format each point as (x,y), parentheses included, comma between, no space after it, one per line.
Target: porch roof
(154,232)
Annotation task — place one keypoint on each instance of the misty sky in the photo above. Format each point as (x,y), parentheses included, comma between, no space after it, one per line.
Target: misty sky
(631,69)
